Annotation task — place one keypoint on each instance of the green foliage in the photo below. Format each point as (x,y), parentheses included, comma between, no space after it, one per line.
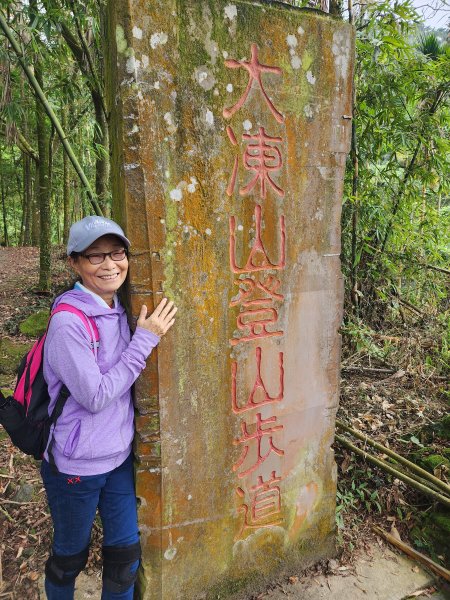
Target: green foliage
(358,490)
(402,146)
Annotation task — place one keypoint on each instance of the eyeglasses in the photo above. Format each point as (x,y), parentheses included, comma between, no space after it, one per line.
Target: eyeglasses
(98,257)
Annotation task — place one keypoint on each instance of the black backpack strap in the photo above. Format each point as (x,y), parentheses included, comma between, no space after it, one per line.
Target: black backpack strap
(59,406)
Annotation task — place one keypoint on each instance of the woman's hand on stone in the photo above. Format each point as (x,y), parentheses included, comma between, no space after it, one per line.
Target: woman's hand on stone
(161,319)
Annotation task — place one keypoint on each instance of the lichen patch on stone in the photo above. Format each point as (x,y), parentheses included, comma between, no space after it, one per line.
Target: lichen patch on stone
(296,62)
(291,41)
(310,78)
(137,32)
(158,39)
(230,11)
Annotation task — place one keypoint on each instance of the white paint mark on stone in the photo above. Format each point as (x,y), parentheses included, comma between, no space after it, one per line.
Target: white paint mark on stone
(230,88)
(291,41)
(230,11)
(296,62)
(310,78)
(145,61)
(158,39)
(137,32)
(170,553)
(247,125)
(209,118)
(176,194)
(208,231)
(300,30)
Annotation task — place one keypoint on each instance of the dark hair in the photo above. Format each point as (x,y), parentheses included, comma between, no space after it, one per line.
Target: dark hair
(75,255)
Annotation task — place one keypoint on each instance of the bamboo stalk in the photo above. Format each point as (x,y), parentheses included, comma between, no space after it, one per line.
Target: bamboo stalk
(53,118)
(390,469)
(370,370)
(418,556)
(439,269)
(404,461)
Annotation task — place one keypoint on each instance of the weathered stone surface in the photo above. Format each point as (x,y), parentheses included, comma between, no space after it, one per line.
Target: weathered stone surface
(223,503)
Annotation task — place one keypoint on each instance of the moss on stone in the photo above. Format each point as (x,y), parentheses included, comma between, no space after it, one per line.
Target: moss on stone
(444,427)
(35,325)
(11,353)
(433,461)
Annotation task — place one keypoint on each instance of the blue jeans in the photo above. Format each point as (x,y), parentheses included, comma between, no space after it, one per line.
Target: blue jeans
(73,502)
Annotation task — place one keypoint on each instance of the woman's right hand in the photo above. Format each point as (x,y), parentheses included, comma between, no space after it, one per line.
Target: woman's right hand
(161,319)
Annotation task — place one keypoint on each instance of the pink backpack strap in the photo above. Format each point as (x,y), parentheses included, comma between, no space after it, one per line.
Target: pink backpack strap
(86,320)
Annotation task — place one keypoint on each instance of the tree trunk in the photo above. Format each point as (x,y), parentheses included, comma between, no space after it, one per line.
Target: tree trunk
(44,184)
(35,224)
(101,147)
(27,201)
(2,185)
(66,181)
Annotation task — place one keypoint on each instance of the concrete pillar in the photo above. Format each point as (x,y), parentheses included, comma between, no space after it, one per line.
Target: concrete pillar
(231,126)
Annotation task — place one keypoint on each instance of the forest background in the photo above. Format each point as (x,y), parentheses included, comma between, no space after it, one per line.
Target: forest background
(395,220)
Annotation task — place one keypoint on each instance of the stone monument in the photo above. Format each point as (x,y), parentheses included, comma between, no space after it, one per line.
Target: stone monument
(231,126)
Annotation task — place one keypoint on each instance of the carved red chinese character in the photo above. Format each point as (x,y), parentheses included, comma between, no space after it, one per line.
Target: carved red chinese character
(248,286)
(255,70)
(254,324)
(262,157)
(258,249)
(257,435)
(264,508)
(258,386)
(232,181)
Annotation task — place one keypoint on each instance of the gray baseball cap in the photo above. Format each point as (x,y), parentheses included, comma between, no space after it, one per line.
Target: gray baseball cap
(83,233)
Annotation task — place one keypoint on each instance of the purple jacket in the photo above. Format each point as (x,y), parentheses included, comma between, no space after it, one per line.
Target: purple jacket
(94,433)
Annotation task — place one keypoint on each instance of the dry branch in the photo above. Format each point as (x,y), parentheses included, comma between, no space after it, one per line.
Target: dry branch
(430,564)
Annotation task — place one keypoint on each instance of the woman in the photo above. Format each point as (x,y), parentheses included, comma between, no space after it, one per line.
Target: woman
(88,462)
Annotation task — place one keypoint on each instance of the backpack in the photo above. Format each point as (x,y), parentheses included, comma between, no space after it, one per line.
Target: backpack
(24,415)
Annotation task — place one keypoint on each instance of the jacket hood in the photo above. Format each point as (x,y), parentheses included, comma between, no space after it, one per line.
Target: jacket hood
(86,303)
